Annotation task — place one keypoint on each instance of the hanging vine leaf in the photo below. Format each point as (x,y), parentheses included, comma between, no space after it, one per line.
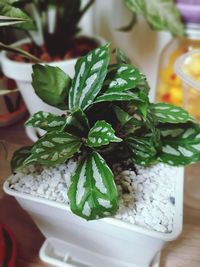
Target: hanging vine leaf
(167,113)
(54,148)
(101,134)
(92,193)
(90,74)
(19,157)
(46,121)
(180,144)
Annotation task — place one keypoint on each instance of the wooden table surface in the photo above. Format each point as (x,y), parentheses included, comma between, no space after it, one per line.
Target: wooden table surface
(184,252)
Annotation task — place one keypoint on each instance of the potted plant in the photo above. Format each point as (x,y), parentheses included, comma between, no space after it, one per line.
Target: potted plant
(12,107)
(107,121)
(57,40)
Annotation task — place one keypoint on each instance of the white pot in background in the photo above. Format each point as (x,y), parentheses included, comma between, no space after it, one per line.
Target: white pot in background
(21,73)
(112,242)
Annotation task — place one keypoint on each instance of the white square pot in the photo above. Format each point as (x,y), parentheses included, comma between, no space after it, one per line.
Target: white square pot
(117,241)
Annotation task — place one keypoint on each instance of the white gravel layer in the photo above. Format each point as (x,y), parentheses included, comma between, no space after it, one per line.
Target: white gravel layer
(146,199)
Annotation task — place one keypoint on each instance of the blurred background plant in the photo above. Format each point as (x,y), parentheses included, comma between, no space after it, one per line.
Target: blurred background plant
(52,25)
(11,104)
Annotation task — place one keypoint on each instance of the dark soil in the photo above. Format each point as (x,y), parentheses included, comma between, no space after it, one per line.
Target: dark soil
(81,46)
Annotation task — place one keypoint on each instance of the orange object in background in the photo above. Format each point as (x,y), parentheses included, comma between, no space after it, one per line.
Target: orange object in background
(169,87)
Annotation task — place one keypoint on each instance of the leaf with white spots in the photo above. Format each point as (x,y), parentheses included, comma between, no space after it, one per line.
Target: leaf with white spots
(167,113)
(77,123)
(101,134)
(180,144)
(54,148)
(46,121)
(91,71)
(92,193)
(51,84)
(19,157)
(142,149)
(118,96)
(121,57)
(122,77)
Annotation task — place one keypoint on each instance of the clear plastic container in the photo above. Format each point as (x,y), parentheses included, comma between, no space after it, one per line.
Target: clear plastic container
(169,87)
(187,68)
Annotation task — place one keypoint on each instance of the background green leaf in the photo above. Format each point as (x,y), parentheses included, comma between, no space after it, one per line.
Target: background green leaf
(7,9)
(51,84)
(160,14)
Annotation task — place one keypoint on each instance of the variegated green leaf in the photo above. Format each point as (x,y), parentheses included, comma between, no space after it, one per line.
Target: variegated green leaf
(54,148)
(122,116)
(51,84)
(7,21)
(77,123)
(122,77)
(142,150)
(46,121)
(19,157)
(167,113)
(180,144)
(90,74)
(7,9)
(92,192)
(160,14)
(117,96)
(121,57)
(101,134)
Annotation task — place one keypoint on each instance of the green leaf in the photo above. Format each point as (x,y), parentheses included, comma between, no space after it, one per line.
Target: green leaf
(90,74)
(54,148)
(160,14)
(121,57)
(93,192)
(7,21)
(122,115)
(142,149)
(46,121)
(77,123)
(122,78)
(101,134)
(9,10)
(118,96)
(11,48)
(51,84)
(167,113)
(180,144)
(130,25)
(19,157)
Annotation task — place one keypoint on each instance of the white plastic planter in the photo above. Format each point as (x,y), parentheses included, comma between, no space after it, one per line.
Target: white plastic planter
(21,73)
(113,242)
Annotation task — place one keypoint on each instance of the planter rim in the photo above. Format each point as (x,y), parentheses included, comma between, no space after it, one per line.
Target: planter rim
(8,65)
(178,217)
